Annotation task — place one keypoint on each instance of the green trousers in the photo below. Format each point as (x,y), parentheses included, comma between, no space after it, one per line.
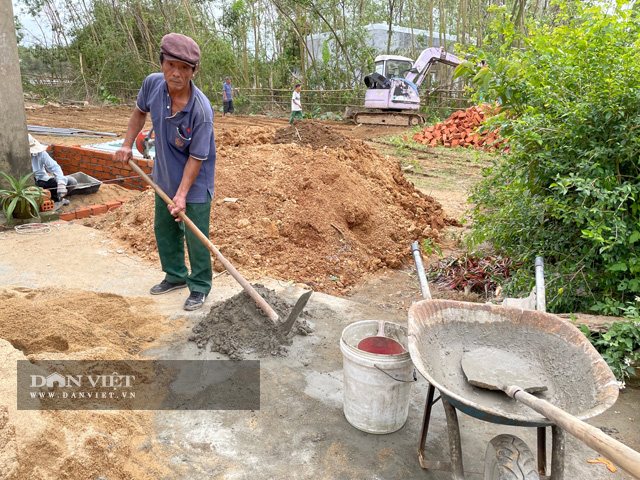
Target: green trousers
(170,237)
(295,114)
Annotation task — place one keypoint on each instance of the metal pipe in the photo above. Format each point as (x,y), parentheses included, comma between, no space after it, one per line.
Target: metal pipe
(38,128)
(58,134)
(541,302)
(542,450)
(425,424)
(422,278)
(455,440)
(557,453)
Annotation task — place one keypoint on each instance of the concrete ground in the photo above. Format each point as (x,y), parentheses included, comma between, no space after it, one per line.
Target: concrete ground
(300,430)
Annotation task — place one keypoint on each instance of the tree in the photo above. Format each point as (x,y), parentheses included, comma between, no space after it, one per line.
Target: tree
(570,188)
(92,42)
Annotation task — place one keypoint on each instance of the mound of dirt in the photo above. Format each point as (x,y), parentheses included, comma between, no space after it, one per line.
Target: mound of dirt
(237,326)
(310,133)
(56,323)
(240,137)
(322,217)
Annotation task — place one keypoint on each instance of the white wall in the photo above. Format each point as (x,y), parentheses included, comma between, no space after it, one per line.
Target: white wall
(378,36)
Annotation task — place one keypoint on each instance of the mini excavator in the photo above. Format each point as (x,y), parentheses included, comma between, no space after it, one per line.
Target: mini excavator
(392,90)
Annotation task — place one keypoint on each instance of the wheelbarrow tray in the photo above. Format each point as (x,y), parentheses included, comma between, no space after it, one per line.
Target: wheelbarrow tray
(441,332)
(86,184)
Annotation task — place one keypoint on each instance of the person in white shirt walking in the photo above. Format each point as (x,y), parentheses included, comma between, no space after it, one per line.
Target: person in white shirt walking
(296,106)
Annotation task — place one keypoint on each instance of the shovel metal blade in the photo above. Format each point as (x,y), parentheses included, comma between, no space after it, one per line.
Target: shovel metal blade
(295,312)
(495,369)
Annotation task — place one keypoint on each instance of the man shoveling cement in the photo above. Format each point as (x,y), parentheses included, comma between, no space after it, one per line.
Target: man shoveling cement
(184,165)
(185,174)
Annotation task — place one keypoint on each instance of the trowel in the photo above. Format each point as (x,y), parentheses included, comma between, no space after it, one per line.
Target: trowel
(264,306)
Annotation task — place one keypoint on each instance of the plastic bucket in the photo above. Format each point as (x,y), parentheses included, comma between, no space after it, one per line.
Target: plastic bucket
(377,387)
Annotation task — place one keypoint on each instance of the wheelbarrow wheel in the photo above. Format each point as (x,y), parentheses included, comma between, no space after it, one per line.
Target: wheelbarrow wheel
(509,458)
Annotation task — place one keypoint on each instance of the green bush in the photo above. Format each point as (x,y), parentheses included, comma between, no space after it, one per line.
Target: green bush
(569,189)
(20,199)
(620,344)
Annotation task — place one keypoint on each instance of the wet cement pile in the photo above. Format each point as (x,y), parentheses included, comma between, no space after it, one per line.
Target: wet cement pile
(324,217)
(237,326)
(56,323)
(309,133)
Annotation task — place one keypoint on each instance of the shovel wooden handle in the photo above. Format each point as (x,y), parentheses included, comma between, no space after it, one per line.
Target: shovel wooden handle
(623,456)
(264,306)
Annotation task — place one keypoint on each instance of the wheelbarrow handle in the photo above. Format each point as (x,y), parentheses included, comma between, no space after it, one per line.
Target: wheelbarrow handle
(422,277)
(264,306)
(623,456)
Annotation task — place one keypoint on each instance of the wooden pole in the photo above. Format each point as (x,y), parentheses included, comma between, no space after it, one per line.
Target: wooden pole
(623,456)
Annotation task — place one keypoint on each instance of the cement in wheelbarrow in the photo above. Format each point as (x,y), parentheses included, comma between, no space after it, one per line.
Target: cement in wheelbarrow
(441,332)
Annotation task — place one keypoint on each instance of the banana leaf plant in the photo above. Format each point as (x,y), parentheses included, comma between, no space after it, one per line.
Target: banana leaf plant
(20,200)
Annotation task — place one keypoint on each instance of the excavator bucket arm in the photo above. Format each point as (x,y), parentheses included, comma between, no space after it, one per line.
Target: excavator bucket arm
(426,60)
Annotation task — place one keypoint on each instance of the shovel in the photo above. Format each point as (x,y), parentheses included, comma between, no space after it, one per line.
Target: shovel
(264,306)
(496,369)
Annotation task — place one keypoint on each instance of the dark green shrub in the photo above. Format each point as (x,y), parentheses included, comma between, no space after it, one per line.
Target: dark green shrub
(569,189)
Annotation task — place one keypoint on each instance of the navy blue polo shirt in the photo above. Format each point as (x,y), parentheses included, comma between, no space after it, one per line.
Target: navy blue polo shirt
(187,133)
(226,87)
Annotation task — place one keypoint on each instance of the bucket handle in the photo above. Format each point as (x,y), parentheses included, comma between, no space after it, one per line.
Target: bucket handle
(415,375)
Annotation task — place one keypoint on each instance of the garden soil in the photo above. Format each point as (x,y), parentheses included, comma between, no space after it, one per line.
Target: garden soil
(56,323)
(242,137)
(309,133)
(318,215)
(237,326)
(115,119)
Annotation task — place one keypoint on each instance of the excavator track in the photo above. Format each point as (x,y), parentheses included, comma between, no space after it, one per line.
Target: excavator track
(399,119)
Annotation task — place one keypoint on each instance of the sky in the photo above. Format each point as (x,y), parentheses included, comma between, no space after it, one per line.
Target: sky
(39,32)
(33,33)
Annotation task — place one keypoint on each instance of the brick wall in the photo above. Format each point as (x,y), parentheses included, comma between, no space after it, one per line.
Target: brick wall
(98,209)
(99,165)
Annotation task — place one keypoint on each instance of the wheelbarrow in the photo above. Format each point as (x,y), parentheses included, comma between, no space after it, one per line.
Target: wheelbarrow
(578,380)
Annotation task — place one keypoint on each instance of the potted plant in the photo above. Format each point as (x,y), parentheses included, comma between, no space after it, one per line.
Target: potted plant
(20,200)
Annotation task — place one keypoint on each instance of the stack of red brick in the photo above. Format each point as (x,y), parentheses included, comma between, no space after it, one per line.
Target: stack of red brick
(85,212)
(459,130)
(47,203)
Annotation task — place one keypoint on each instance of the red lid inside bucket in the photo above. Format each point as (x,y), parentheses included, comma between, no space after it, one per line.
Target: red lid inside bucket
(380,346)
